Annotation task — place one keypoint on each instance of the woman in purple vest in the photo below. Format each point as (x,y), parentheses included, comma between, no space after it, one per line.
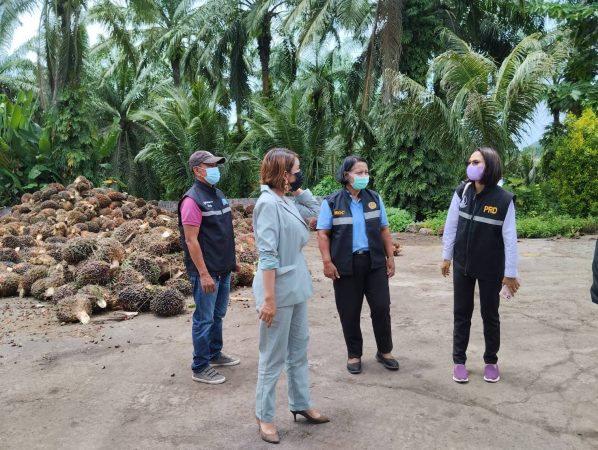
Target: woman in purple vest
(480,237)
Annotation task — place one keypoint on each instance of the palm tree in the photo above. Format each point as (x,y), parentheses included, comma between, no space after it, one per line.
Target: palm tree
(492,26)
(472,101)
(218,53)
(305,118)
(182,122)
(120,92)
(62,44)
(10,14)
(167,29)
(17,72)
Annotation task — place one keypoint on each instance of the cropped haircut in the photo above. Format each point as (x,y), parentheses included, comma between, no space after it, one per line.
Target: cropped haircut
(493,166)
(346,166)
(276,162)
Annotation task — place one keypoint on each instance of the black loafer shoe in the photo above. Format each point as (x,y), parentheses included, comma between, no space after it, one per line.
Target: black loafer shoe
(354,368)
(389,363)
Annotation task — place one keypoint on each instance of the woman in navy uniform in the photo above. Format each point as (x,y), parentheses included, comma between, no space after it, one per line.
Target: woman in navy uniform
(480,236)
(357,253)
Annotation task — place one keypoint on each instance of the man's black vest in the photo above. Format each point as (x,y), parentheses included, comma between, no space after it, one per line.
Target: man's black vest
(216,236)
(479,248)
(341,235)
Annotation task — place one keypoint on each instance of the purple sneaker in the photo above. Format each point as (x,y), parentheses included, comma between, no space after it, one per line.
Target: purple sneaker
(491,373)
(460,374)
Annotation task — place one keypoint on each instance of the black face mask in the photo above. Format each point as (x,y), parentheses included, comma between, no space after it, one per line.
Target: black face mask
(298,181)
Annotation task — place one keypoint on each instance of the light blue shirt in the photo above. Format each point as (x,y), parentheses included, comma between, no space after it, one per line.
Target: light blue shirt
(360,238)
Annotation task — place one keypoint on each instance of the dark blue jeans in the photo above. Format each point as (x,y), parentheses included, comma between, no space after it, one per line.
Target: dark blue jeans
(210,309)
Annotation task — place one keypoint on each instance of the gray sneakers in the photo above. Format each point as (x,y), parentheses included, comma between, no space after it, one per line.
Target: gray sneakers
(209,376)
(224,360)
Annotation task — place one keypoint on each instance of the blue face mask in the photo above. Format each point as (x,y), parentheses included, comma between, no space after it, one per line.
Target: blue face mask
(360,182)
(212,175)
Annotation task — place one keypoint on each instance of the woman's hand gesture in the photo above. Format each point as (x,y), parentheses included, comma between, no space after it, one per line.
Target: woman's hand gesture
(330,271)
(511,283)
(267,312)
(445,268)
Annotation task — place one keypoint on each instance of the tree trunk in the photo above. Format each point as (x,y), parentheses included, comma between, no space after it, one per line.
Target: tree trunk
(556,120)
(175,64)
(264,41)
(391,37)
(388,28)
(239,121)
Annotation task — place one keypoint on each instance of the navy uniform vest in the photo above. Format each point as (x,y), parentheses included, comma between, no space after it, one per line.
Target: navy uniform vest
(341,235)
(216,236)
(479,248)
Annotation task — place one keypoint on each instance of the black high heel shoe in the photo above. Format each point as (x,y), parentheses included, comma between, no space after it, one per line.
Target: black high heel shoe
(310,419)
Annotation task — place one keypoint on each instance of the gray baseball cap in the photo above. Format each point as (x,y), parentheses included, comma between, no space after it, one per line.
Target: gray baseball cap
(203,156)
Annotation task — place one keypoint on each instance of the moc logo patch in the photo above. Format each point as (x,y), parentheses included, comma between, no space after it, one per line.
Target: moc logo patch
(339,212)
(490,209)
(372,205)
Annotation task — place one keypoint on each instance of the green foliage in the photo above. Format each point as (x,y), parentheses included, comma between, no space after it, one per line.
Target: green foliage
(182,122)
(76,147)
(435,221)
(472,101)
(325,187)
(25,158)
(303,118)
(532,198)
(412,176)
(548,225)
(576,164)
(532,225)
(576,86)
(319,77)
(398,219)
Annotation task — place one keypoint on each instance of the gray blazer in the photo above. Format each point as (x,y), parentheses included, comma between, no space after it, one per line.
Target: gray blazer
(280,235)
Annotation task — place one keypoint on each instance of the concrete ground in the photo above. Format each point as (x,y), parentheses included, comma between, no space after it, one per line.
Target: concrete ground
(127,385)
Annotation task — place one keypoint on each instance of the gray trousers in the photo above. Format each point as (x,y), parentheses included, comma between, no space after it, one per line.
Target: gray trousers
(284,343)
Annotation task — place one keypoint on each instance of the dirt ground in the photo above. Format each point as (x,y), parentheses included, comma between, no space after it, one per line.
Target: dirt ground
(127,385)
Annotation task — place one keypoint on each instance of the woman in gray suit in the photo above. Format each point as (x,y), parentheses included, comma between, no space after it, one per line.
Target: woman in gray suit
(282,286)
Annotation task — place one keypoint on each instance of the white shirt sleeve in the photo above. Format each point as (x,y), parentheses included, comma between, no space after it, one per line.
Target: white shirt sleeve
(509,236)
(450,228)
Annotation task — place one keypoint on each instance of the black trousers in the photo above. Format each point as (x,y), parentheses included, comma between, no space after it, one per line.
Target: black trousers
(463,309)
(349,292)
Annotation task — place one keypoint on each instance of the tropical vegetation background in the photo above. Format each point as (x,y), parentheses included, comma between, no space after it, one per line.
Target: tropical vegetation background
(413,86)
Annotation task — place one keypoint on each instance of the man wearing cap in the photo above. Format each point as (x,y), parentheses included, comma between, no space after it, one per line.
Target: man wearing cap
(206,227)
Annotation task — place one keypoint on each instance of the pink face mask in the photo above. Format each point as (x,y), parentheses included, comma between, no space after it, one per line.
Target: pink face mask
(474,173)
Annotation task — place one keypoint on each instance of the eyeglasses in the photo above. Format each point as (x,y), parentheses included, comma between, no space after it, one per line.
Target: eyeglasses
(474,162)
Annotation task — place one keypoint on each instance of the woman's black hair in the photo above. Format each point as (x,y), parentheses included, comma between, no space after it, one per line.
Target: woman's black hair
(346,166)
(493,166)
